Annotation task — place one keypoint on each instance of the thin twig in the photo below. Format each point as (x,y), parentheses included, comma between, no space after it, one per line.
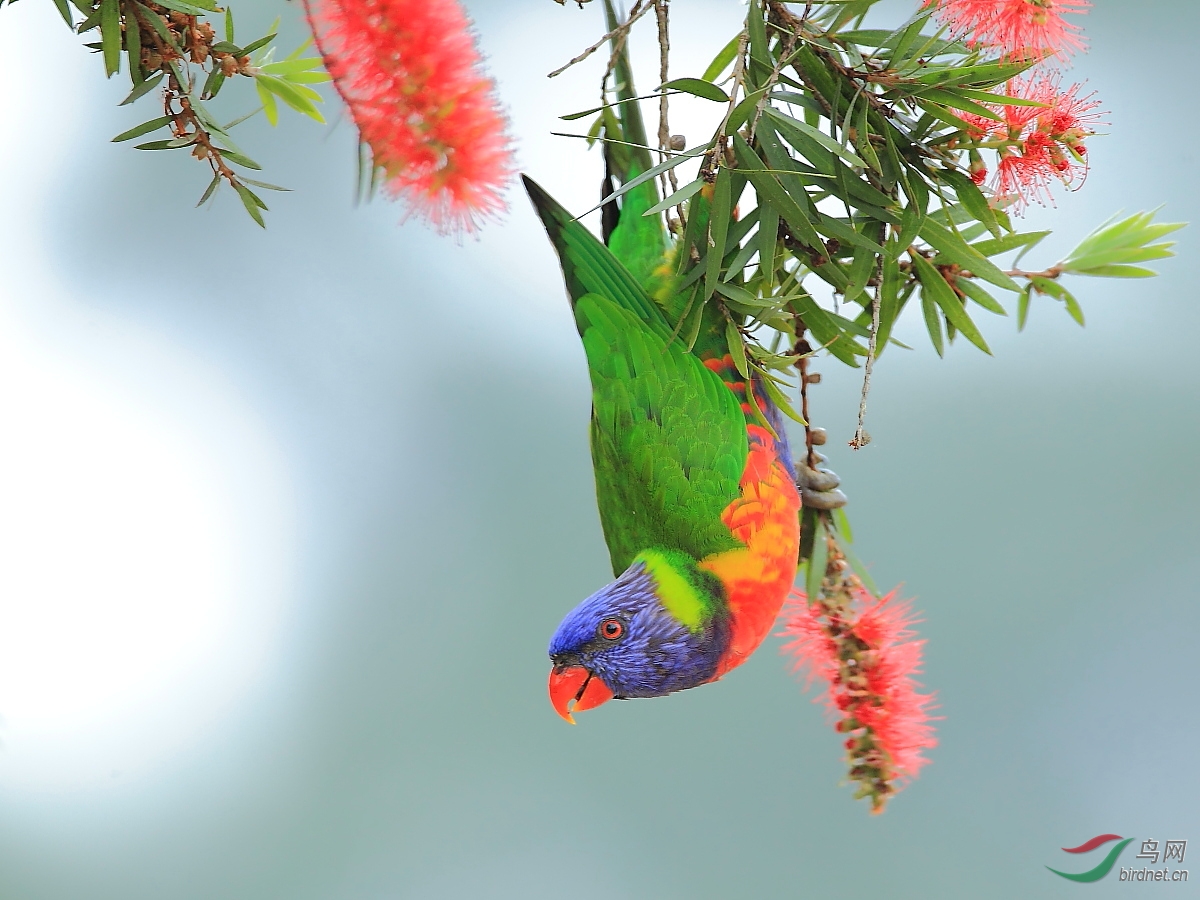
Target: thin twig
(803,350)
(662,14)
(861,437)
(636,13)
(739,72)
(1052,272)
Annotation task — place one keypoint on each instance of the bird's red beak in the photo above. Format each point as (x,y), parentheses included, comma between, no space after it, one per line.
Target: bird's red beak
(574,689)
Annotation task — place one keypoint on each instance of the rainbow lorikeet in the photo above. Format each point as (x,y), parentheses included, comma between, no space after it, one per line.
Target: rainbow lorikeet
(694,486)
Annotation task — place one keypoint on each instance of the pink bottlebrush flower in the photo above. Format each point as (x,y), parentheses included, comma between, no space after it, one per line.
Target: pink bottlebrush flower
(862,647)
(411,77)
(1020,29)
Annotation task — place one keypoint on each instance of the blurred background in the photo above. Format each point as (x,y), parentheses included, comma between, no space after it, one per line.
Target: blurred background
(288,517)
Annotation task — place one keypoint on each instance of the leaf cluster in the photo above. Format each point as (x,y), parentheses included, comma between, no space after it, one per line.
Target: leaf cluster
(169,46)
(843,192)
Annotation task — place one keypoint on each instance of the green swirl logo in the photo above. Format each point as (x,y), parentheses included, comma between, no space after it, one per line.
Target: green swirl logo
(1105,865)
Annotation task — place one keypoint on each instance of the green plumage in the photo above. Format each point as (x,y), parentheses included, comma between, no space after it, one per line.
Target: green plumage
(668,437)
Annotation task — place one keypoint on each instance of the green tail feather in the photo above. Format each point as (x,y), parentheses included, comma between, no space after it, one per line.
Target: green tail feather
(588,266)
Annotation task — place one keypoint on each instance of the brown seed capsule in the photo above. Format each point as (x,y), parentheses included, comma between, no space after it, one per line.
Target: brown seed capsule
(814,378)
(819,436)
(229,66)
(678,142)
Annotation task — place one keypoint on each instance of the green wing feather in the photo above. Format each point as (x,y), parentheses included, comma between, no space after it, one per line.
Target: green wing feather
(668,437)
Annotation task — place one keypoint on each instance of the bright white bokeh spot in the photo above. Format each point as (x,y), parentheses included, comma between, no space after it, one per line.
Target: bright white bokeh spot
(146,509)
(145,561)
(112,563)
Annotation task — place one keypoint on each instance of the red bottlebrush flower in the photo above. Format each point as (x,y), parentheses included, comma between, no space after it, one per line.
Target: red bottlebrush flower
(1022,29)
(862,647)
(1046,142)
(410,75)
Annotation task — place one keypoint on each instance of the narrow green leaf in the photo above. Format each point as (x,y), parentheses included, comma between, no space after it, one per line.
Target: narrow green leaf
(1073,308)
(142,89)
(718,230)
(737,265)
(768,240)
(935,287)
(932,323)
(64,10)
(971,198)
(310,78)
(262,184)
(1023,307)
(292,66)
(815,134)
(697,87)
(996,246)
(229,35)
(980,296)
(737,350)
(234,156)
(133,49)
(756,29)
(861,270)
(251,202)
(949,244)
(240,119)
(780,400)
(269,106)
(816,566)
(825,329)
(255,45)
(954,100)
(173,144)
(212,84)
(296,97)
(191,9)
(110,35)
(676,198)
(1119,271)
(722,60)
(144,128)
(744,110)
(209,191)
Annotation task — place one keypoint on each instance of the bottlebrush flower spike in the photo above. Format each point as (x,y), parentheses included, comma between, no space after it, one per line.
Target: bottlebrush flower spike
(862,647)
(1020,29)
(1046,142)
(409,72)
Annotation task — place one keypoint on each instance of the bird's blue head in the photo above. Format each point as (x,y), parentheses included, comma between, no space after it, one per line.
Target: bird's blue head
(660,627)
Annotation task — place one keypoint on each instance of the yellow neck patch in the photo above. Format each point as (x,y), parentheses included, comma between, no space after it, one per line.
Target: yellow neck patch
(677,593)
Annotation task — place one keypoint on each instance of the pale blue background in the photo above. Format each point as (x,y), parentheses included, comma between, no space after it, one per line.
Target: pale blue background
(427,403)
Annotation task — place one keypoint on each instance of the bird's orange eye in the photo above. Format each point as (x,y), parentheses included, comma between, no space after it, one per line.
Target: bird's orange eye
(611,629)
